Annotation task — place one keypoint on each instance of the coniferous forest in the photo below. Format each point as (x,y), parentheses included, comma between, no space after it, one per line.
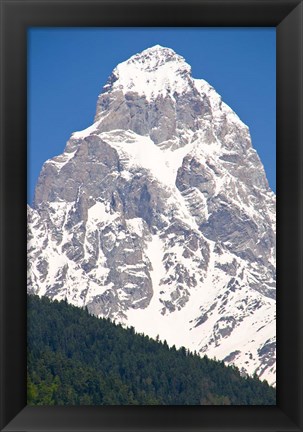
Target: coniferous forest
(77,359)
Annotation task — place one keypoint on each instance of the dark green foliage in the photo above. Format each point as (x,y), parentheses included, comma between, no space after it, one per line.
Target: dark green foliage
(78,359)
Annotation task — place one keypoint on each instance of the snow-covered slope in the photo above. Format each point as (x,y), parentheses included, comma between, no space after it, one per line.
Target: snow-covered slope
(159,216)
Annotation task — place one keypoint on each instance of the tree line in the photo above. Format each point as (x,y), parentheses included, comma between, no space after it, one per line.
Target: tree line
(78,359)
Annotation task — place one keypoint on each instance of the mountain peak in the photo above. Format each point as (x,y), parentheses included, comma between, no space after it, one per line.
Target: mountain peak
(156,56)
(151,73)
(153,94)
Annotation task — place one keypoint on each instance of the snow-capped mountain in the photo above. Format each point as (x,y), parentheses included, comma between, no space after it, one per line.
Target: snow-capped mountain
(159,216)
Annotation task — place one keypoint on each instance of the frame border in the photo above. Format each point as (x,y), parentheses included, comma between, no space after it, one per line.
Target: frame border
(16,16)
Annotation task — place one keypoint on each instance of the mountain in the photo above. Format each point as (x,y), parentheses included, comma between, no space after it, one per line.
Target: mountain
(159,216)
(77,359)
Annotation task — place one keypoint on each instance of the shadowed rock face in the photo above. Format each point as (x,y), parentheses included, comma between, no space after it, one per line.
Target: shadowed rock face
(162,119)
(93,161)
(162,206)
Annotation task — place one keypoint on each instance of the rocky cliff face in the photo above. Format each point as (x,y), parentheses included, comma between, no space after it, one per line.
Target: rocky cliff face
(159,216)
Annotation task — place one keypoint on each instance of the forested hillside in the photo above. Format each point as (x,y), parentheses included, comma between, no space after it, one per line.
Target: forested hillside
(77,359)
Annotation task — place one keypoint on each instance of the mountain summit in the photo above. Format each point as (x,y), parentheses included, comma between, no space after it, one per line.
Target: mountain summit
(159,216)
(155,71)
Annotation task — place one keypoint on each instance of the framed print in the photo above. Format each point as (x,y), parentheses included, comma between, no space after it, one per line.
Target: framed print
(71,250)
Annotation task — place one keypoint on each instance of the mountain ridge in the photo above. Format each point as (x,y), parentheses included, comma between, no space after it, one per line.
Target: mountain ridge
(160,216)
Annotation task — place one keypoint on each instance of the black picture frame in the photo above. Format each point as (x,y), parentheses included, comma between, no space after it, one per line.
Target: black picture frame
(16,17)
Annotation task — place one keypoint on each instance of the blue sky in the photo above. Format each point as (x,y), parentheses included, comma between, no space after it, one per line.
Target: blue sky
(67,69)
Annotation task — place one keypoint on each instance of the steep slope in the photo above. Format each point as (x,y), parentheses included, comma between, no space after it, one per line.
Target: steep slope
(159,216)
(77,359)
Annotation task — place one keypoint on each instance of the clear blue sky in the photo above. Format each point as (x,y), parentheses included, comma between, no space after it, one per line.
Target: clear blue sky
(67,69)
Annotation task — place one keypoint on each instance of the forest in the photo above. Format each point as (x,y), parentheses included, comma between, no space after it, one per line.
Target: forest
(74,358)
